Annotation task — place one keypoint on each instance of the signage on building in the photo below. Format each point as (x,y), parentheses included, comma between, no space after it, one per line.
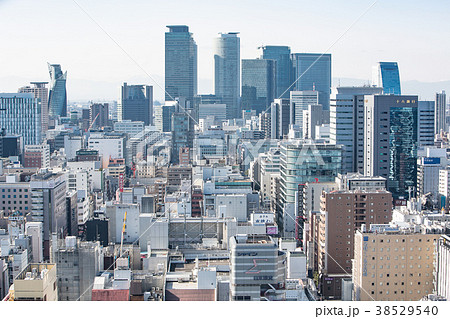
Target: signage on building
(271,230)
(431,161)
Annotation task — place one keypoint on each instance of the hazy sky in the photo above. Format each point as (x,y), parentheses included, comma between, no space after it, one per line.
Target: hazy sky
(414,33)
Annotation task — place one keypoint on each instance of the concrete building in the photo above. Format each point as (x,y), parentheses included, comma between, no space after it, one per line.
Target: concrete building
(312,117)
(108,146)
(439,112)
(347,123)
(391,264)
(343,212)
(77,265)
(257,266)
(15,195)
(48,200)
(425,122)
(40,91)
(428,168)
(37,282)
(132,128)
(116,215)
(35,231)
(299,102)
(442,264)
(37,156)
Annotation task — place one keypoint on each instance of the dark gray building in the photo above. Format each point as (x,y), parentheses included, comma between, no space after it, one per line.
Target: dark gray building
(98,115)
(137,103)
(390,140)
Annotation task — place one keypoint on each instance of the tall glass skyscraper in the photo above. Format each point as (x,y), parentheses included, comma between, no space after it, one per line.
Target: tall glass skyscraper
(258,84)
(137,103)
(386,75)
(313,71)
(180,63)
(57,100)
(282,56)
(227,66)
(390,140)
(20,114)
(40,91)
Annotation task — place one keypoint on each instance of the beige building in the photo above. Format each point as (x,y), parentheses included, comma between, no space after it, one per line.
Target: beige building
(36,282)
(391,264)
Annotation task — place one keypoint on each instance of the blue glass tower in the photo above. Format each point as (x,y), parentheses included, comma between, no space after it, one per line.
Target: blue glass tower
(313,71)
(282,56)
(386,75)
(57,100)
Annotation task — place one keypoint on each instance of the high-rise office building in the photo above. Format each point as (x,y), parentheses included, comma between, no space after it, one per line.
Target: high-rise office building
(387,76)
(256,266)
(227,66)
(57,99)
(258,84)
(182,134)
(390,140)
(40,91)
(180,63)
(137,103)
(20,114)
(98,115)
(163,117)
(439,112)
(425,122)
(299,103)
(280,118)
(347,123)
(48,200)
(312,71)
(282,56)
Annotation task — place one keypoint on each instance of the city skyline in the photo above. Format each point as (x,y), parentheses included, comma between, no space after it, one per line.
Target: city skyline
(91,57)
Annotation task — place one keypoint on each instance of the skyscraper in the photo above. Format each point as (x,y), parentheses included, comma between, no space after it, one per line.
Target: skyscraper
(40,91)
(425,122)
(282,56)
(386,75)
(20,114)
(299,103)
(180,63)
(390,140)
(258,84)
(137,103)
(439,112)
(227,66)
(57,100)
(347,123)
(313,71)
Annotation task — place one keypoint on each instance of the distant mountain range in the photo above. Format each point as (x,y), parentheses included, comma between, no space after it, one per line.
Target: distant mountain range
(85,90)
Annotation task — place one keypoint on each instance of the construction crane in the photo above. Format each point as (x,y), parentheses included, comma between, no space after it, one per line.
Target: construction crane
(123,231)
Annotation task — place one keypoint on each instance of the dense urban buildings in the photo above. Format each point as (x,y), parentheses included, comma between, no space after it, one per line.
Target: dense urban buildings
(273,186)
